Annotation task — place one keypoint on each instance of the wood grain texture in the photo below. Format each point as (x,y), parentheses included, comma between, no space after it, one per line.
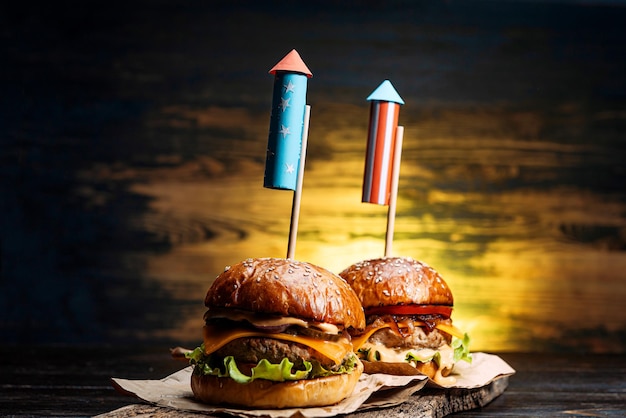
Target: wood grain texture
(75,381)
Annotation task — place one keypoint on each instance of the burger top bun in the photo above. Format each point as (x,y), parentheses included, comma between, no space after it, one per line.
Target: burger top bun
(285,287)
(393,281)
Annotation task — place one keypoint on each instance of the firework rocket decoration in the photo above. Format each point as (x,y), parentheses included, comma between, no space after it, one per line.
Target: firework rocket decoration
(284,143)
(288,134)
(381,138)
(384,149)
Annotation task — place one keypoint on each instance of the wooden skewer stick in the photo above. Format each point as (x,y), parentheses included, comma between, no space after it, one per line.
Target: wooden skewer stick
(297,194)
(395,176)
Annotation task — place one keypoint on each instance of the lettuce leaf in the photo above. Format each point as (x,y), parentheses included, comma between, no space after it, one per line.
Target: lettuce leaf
(347,366)
(461,348)
(412,356)
(266,370)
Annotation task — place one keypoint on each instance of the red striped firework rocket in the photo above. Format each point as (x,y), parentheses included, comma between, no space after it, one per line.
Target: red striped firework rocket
(381,138)
(284,144)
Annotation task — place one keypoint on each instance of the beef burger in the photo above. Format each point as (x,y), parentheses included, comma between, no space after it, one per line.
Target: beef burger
(409,329)
(276,335)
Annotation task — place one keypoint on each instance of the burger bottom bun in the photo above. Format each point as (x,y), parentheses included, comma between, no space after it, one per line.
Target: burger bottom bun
(262,393)
(401,369)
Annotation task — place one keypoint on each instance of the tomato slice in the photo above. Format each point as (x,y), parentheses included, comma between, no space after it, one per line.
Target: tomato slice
(442,310)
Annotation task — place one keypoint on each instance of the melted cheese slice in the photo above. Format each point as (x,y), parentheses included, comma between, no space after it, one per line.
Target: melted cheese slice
(450,329)
(360,340)
(215,338)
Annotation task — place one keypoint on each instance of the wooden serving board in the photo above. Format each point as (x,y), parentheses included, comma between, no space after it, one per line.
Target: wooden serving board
(428,402)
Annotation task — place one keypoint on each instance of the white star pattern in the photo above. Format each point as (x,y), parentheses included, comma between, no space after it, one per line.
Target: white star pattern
(289,87)
(289,168)
(284,103)
(284,130)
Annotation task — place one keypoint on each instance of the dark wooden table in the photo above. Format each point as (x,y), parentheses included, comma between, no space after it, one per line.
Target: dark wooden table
(75,381)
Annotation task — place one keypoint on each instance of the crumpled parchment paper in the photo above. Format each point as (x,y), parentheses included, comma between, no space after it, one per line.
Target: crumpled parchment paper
(174,391)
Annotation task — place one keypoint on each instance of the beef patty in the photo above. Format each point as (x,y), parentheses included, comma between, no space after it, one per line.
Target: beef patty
(252,350)
(415,336)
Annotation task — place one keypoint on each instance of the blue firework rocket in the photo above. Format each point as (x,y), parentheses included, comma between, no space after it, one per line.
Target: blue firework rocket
(284,144)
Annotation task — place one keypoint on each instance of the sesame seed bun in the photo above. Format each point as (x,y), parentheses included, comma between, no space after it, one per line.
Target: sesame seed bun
(393,281)
(287,287)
